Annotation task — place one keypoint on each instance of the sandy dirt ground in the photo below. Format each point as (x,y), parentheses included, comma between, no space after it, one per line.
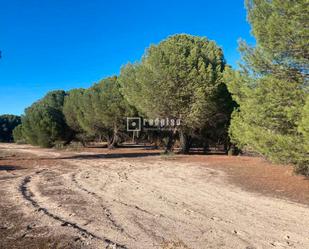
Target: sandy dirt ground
(141,199)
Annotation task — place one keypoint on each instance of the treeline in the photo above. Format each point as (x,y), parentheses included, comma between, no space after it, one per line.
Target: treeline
(180,78)
(7,125)
(263,107)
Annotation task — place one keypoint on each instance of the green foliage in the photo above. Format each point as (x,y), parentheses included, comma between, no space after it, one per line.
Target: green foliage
(54,99)
(304,123)
(110,107)
(178,78)
(100,110)
(44,123)
(304,130)
(18,134)
(7,125)
(281,30)
(271,87)
(72,109)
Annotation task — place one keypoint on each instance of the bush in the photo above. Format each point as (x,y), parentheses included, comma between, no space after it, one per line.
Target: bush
(18,134)
(44,123)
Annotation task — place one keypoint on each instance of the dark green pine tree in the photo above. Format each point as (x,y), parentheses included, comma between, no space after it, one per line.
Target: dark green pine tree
(43,123)
(99,111)
(73,112)
(178,78)
(272,85)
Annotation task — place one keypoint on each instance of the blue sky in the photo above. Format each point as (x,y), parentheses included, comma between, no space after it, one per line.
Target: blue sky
(65,44)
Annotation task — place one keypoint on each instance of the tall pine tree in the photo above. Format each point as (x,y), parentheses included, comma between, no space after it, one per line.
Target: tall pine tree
(272,85)
(181,77)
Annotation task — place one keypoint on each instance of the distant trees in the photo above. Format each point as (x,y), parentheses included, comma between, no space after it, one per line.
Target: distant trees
(7,125)
(272,86)
(181,77)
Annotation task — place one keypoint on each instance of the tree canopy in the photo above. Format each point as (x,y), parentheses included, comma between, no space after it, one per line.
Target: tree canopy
(43,123)
(7,125)
(100,110)
(178,78)
(272,85)
(72,109)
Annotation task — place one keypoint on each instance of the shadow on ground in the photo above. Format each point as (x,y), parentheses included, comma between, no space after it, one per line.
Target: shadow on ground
(111,156)
(9,167)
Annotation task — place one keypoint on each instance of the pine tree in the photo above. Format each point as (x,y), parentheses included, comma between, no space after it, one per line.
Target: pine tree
(304,124)
(43,123)
(178,78)
(272,85)
(102,111)
(18,134)
(72,110)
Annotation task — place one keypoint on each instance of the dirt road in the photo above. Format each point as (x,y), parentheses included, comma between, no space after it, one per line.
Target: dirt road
(90,200)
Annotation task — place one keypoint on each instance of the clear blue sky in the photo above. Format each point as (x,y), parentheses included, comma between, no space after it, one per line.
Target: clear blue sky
(64,44)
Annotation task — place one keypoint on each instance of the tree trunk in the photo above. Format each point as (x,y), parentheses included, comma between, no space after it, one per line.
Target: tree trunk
(233,150)
(185,142)
(206,146)
(157,141)
(170,142)
(114,141)
(83,142)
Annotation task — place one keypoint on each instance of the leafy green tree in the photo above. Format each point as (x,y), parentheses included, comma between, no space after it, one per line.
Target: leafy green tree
(281,31)
(7,125)
(178,78)
(215,131)
(18,134)
(72,108)
(73,112)
(103,111)
(272,84)
(54,99)
(43,123)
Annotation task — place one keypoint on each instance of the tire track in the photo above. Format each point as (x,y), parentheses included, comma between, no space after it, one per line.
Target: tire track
(107,211)
(29,196)
(133,207)
(151,233)
(115,200)
(159,239)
